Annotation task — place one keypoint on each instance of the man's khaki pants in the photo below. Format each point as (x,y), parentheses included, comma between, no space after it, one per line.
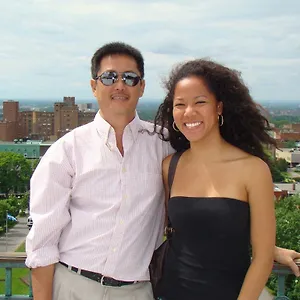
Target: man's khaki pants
(71,286)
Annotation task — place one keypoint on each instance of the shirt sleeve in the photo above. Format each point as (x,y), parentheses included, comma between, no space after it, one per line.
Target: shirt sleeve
(50,191)
(167,148)
(161,220)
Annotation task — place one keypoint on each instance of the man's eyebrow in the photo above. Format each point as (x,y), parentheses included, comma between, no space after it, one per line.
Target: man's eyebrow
(113,70)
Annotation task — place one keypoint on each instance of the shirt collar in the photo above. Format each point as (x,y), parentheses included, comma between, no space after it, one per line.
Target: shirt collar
(104,128)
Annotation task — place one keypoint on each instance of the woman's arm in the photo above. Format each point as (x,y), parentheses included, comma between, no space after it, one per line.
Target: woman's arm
(262,228)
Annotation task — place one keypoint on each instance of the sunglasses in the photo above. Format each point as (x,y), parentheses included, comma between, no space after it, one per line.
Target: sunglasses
(110,77)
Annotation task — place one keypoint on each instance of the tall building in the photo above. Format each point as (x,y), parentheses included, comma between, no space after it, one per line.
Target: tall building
(85,117)
(10,111)
(7,131)
(26,123)
(65,116)
(43,124)
(37,125)
(10,125)
(84,107)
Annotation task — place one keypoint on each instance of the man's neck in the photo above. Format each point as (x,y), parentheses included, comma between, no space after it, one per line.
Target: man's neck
(118,123)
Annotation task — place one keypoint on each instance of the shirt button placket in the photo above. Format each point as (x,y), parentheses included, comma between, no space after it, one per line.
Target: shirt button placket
(119,231)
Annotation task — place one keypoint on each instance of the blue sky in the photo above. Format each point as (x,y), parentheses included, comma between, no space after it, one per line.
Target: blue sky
(46,45)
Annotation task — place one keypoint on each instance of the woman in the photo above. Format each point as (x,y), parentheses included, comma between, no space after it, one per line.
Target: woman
(221,195)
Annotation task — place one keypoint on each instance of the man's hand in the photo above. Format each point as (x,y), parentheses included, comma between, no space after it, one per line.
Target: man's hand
(287,257)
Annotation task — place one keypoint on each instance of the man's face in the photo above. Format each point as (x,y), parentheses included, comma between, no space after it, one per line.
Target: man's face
(117,99)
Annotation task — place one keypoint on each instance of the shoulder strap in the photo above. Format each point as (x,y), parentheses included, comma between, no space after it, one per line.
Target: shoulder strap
(172,169)
(171,173)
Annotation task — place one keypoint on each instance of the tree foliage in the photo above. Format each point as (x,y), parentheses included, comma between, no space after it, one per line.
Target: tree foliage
(289,144)
(278,168)
(280,121)
(8,206)
(287,236)
(281,164)
(15,172)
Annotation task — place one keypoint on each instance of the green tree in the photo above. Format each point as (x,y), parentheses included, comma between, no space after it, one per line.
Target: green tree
(24,203)
(282,164)
(3,210)
(290,144)
(276,173)
(287,236)
(34,163)
(13,205)
(278,168)
(15,172)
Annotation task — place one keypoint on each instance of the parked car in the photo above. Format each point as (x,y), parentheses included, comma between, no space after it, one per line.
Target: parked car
(29,222)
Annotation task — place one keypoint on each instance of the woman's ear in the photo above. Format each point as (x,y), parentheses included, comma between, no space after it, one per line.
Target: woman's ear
(220,108)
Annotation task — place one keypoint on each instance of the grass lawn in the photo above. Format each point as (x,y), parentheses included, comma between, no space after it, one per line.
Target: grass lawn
(18,286)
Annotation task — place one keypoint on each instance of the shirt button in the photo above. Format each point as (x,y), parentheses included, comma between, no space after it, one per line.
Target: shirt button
(124,170)
(114,250)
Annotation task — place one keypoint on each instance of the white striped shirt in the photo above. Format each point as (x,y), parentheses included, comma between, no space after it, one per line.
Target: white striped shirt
(95,209)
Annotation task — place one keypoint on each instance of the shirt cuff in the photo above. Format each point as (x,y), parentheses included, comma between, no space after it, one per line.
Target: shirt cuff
(42,257)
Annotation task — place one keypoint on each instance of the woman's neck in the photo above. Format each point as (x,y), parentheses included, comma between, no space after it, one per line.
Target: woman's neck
(208,149)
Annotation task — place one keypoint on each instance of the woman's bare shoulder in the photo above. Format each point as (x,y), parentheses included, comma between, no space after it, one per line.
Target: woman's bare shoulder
(256,172)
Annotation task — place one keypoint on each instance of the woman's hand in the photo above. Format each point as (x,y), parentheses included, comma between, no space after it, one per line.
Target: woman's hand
(287,257)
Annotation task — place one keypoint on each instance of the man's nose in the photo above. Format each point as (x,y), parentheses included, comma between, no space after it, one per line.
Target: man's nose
(119,84)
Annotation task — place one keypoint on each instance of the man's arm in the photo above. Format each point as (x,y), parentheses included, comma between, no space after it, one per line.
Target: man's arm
(287,257)
(42,282)
(51,186)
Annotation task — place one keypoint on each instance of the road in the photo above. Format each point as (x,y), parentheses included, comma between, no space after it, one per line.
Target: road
(15,236)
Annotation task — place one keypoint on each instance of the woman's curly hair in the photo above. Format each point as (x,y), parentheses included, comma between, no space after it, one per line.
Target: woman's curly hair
(244,125)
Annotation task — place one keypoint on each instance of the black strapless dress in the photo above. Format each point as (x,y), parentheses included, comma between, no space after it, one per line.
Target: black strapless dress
(209,254)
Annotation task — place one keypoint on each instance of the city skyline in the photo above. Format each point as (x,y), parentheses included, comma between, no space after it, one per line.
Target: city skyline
(46,45)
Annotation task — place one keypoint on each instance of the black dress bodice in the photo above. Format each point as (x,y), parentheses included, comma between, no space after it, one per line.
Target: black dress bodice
(209,252)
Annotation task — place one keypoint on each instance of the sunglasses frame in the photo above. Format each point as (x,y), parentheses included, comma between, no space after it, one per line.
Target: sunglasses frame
(116,76)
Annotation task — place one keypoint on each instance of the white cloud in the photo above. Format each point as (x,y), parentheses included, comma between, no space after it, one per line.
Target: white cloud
(46,45)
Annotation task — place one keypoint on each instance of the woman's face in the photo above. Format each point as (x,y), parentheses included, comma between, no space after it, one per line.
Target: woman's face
(195,109)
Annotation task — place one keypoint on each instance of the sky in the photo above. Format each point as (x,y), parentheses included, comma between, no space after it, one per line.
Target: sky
(46,45)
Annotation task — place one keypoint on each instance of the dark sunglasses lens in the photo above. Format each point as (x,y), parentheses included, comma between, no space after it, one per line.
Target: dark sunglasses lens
(108,78)
(131,79)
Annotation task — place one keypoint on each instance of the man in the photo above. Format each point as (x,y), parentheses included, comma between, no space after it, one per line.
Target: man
(97,195)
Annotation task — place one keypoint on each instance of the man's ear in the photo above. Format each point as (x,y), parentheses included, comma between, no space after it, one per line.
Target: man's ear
(143,84)
(93,84)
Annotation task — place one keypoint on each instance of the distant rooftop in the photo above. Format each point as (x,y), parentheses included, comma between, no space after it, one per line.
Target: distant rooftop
(20,141)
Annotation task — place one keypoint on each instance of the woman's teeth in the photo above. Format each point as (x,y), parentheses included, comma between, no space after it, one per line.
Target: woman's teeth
(192,125)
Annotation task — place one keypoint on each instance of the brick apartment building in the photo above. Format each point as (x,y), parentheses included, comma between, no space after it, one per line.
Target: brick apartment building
(295,127)
(10,125)
(37,125)
(65,116)
(289,132)
(42,125)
